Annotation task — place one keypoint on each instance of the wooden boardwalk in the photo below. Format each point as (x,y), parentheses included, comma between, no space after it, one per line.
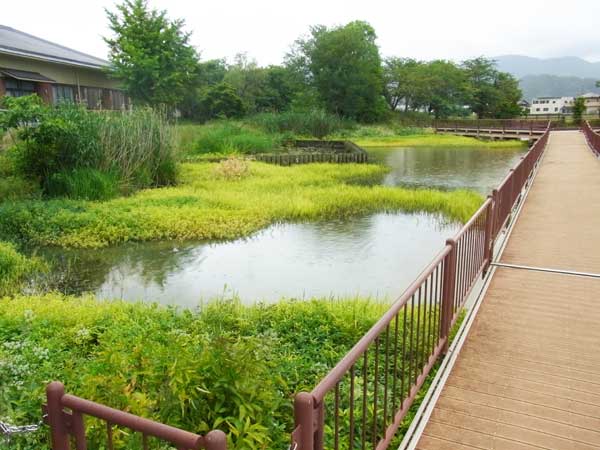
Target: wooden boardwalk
(528,375)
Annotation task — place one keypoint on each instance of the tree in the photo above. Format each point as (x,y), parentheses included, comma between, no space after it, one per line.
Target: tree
(260,88)
(401,81)
(491,93)
(344,66)
(578,110)
(151,54)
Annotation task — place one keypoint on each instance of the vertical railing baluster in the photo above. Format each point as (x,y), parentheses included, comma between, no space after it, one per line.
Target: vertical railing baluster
(351,413)
(385,377)
(109,436)
(395,372)
(364,405)
(336,438)
(417,356)
(375,389)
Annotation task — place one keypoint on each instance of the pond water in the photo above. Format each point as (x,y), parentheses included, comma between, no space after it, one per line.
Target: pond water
(446,167)
(376,256)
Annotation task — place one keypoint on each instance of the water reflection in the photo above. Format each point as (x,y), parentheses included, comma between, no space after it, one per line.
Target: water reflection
(371,256)
(446,167)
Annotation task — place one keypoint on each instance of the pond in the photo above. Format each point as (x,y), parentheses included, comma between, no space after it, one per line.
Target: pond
(446,167)
(376,256)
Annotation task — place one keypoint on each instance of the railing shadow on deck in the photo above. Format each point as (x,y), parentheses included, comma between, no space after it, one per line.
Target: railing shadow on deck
(365,397)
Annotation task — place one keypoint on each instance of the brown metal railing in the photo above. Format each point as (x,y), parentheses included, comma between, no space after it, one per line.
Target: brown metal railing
(593,138)
(67,427)
(363,400)
(493,124)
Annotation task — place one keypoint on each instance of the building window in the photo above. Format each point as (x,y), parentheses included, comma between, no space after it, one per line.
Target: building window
(545,109)
(18,88)
(555,109)
(63,94)
(537,109)
(92,97)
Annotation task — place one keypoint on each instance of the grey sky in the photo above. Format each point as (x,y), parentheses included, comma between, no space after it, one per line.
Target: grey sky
(450,29)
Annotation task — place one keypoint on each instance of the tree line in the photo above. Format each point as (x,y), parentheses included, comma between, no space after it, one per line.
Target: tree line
(337,69)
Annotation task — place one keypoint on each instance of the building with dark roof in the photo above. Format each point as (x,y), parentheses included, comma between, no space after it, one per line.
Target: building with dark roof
(31,65)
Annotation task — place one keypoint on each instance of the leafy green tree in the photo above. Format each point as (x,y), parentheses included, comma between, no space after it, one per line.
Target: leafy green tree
(578,110)
(344,66)
(401,81)
(260,88)
(151,54)
(491,93)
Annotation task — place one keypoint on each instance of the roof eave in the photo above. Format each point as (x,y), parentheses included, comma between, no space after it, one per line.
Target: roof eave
(53,60)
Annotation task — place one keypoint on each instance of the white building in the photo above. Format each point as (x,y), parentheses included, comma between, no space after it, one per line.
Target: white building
(551,105)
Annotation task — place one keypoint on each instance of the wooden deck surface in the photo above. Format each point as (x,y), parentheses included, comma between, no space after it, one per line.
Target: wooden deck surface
(528,375)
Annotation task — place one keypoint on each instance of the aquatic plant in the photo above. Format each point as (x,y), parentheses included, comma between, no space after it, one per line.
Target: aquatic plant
(203,206)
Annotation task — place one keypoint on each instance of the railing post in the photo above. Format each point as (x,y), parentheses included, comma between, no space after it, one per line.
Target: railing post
(215,440)
(448,293)
(58,428)
(304,407)
(488,240)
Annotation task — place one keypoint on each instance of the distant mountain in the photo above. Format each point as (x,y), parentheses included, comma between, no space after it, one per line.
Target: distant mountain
(554,86)
(568,66)
(568,76)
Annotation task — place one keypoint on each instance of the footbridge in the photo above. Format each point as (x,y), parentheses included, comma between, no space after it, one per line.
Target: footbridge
(499,335)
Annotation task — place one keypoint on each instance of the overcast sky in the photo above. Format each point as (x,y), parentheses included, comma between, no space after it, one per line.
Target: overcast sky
(264,29)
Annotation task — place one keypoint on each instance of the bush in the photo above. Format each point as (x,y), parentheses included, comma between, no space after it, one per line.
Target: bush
(16,269)
(228,137)
(180,368)
(314,123)
(60,146)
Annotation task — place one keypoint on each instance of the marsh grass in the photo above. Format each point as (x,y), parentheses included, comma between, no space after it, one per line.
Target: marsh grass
(207,206)
(312,123)
(232,137)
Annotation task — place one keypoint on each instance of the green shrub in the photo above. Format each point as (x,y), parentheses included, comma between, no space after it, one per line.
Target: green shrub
(57,146)
(63,138)
(314,123)
(228,137)
(16,269)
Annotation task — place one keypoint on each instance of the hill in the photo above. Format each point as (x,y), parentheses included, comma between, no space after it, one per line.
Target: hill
(561,77)
(568,66)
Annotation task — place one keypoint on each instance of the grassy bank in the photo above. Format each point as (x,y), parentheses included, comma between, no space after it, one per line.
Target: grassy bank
(435,140)
(208,204)
(180,368)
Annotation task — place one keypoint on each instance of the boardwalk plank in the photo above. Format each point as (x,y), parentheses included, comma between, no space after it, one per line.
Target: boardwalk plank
(528,375)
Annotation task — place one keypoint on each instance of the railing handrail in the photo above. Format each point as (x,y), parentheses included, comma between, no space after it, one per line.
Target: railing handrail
(340,369)
(58,400)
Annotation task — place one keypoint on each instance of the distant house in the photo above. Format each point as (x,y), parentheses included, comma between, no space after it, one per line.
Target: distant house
(31,65)
(592,103)
(551,105)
